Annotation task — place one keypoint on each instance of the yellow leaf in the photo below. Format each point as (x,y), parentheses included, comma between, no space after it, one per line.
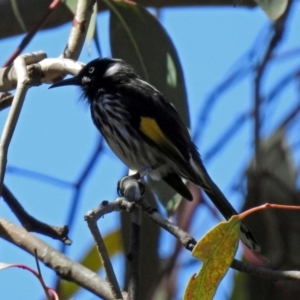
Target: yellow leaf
(216,250)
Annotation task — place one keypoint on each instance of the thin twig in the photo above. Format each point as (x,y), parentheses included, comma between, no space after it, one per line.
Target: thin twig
(130,187)
(26,40)
(295,111)
(83,177)
(38,176)
(281,84)
(46,71)
(79,29)
(133,256)
(264,272)
(32,224)
(105,207)
(186,239)
(278,33)
(104,256)
(243,117)
(242,67)
(210,101)
(184,215)
(6,101)
(40,276)
(279,30)
(226,137)
(12,119)
(133,191)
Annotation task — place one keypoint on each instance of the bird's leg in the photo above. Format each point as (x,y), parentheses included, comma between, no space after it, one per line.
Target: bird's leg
(140,174)
(137,176)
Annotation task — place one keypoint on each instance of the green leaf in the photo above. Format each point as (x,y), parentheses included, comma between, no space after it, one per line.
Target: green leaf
(216,250)
(17,14)
(137,37)
(92,261)
(171,71)
(90,36)
(71,4)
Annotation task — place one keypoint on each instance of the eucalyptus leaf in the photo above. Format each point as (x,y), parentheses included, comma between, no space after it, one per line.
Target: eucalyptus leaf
(71,4)
(138,37)
(18,15)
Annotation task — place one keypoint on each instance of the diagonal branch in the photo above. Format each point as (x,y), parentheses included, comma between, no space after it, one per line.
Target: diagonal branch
(62,265)
(26,40)
(32,224)
(104,256)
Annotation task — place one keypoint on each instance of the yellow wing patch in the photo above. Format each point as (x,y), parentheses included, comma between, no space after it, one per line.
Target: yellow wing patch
(150,128)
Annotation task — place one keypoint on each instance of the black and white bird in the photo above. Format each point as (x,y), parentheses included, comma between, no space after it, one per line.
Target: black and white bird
(144,130)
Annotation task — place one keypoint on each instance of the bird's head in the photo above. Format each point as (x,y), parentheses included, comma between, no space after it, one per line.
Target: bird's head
(99,74)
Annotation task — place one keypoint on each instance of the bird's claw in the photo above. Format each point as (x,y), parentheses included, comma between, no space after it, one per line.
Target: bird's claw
(136,177)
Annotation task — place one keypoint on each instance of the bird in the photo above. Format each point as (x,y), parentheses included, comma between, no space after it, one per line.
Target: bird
(144,129)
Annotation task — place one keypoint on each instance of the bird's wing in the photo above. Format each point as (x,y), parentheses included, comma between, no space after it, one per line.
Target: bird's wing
(154,117)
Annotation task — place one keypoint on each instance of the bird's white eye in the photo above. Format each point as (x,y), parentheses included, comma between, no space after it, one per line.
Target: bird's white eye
(91,70)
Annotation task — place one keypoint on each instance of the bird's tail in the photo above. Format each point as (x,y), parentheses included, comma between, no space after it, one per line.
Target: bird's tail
(224,206)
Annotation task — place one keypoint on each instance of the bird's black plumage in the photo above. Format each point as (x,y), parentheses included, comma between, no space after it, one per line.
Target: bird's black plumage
(145,130)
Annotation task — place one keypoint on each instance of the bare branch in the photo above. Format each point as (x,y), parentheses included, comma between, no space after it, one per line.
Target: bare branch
(6,101)
(12,119)
(32,224)
(278,34)
(62,265)
(264,272)
(104,256)
(82,178)
(133,191)
(26,40)
(79,29)
(46,71)
(133,256)
(186,239)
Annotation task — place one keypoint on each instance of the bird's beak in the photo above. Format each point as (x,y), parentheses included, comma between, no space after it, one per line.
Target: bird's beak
(70,81)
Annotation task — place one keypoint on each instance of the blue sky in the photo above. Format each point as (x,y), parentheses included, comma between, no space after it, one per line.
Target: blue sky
(55,134)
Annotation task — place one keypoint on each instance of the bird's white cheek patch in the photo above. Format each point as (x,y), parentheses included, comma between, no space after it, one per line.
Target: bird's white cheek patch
(112,70)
